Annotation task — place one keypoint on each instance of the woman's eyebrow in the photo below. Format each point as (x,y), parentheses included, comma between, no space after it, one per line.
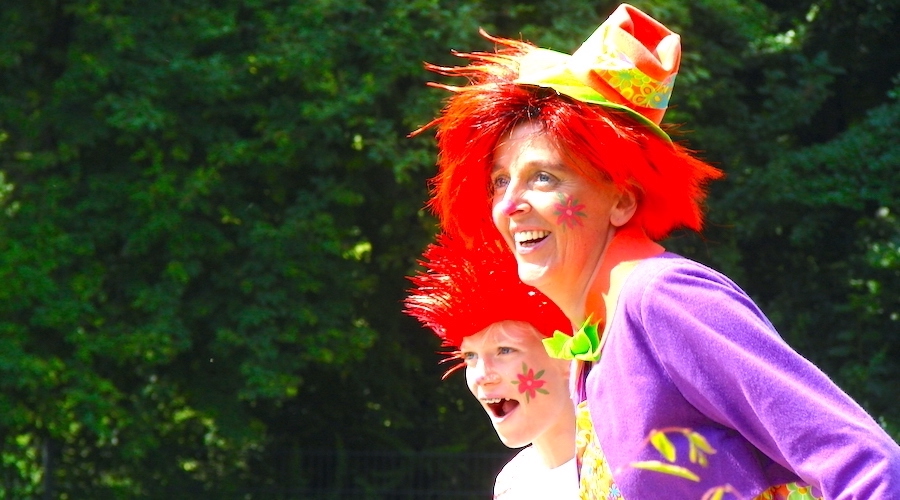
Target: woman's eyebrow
(549,165)
(535,165)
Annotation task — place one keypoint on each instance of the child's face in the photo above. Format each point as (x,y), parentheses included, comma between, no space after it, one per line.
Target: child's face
(521,388)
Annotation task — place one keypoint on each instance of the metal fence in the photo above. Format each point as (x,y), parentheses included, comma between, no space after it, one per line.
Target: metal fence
(393,475)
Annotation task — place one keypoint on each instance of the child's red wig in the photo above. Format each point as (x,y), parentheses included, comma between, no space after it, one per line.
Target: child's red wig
(605,145)
(467,288)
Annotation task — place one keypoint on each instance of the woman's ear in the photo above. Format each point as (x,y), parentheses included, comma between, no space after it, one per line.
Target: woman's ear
(624,208)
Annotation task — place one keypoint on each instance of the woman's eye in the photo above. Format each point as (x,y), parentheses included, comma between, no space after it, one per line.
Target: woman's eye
(504,350)
(544,178)
(468,356)
(499,182)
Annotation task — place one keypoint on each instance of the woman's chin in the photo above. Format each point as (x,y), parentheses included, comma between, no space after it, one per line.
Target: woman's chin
(533,274)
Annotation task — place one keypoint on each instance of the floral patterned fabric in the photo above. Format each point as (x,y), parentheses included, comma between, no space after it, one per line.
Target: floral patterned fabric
(595,479)
(792,491)
(636,86)
(597,483)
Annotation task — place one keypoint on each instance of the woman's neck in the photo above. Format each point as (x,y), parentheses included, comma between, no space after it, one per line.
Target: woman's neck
(626,248)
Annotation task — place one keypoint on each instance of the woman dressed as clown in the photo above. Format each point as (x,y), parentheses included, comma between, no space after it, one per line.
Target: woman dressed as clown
(685,389)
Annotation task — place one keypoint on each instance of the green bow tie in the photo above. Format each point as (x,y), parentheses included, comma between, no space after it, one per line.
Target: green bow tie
(583,345)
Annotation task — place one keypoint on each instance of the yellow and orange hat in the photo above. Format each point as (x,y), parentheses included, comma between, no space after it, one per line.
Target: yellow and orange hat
(629,63)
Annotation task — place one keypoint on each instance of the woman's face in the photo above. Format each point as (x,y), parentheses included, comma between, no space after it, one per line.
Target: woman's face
(556,222)
(522,389)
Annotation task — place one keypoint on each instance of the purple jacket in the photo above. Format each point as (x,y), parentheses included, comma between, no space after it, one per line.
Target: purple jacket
(688,349)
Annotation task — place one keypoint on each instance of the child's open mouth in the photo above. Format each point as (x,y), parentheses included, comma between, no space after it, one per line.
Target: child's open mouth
(501,407)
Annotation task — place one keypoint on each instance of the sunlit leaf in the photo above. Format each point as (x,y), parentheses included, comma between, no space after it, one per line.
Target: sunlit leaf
(700,442)
(670,469)
(663,444)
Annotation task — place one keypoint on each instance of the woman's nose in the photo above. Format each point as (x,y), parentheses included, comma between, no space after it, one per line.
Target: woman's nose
(511,204)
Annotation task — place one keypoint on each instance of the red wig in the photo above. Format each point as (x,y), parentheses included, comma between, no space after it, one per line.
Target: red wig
(605,145)
(467,288)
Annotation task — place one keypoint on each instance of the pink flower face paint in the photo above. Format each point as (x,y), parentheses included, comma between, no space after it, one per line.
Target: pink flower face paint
(568,211)
(529,383)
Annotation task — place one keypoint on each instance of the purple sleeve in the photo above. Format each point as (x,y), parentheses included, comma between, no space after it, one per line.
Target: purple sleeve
(726,359)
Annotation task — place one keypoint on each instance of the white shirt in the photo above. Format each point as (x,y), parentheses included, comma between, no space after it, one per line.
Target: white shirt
(526,477)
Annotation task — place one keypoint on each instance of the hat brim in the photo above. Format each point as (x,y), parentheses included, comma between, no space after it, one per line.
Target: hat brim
(550,69)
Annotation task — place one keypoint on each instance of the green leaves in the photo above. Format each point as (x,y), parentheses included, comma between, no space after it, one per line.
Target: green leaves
(664,468)
(698,451)
(661,442)
(189,240)
(698,446)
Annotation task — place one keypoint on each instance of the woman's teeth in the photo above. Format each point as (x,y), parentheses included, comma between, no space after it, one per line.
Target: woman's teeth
(530,237)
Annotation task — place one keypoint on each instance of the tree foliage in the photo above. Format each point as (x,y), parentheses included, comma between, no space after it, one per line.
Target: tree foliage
(207,210)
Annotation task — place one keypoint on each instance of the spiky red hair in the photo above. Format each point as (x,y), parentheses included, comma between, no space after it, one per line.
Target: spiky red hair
(604,144)
(467,288)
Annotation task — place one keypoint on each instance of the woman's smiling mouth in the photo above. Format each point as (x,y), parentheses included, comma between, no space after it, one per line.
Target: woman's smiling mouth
(528,239)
